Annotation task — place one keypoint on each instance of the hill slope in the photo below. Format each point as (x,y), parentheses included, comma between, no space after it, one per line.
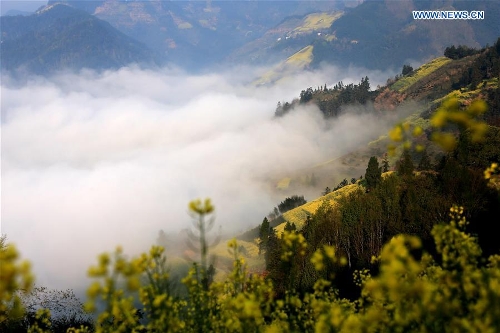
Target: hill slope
(383,34)
(288,37)
(198,34)
(61,37)
(422,91)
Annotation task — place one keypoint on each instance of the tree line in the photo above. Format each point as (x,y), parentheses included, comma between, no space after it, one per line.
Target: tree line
(331,100)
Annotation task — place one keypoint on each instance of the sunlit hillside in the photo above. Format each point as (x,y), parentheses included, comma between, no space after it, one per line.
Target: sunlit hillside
(285,70)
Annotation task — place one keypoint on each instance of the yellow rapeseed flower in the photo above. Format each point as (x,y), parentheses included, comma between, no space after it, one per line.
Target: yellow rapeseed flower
(438,120)
(396,134)
(317,260)
(477,108)
(197,207)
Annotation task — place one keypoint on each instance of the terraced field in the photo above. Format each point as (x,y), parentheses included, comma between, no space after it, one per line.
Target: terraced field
(316,21)
(293,64)
(301,58)
(404,83)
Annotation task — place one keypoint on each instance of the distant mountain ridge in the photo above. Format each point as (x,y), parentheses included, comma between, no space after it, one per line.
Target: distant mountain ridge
(383,34)
(62,37)
(374,35)
(288,37)
(199,35)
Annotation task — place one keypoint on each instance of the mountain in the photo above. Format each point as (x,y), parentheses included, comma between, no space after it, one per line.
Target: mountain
(61,37)
(199,34)
(375,35)
(383,34)
(288,37)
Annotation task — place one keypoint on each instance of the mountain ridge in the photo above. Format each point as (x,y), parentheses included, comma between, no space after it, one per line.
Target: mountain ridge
(387,32)
(61,37)
(198,36)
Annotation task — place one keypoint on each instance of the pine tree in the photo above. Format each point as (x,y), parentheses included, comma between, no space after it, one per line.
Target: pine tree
(425,162)
(264,235)
(385,164)
(407,69)
(290,226)
(373,173)
(405,167)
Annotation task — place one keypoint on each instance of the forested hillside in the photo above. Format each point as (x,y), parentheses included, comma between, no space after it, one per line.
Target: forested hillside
(387,32)
(409,247)
(61,37)
(417,196)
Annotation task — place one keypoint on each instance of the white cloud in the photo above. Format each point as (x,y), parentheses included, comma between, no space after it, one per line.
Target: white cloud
(90,161)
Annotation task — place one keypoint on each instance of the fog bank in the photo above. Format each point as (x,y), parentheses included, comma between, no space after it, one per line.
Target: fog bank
(90,160)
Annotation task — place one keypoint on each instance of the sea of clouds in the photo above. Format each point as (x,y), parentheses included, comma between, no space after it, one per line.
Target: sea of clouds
(92,160)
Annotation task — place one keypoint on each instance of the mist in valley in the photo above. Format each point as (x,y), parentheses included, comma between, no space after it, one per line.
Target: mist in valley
(95,160)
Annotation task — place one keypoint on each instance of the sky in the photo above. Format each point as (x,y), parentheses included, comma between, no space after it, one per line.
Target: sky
(95,160)
(22,5)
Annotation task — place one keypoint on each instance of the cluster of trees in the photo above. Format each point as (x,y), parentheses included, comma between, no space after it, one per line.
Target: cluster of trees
(405,71)
(404,202)
(291,203)
(459,52)
(331,100)
(485,66)
(273,218)
(343,183)
(306,95)
(493,98)
(342,95)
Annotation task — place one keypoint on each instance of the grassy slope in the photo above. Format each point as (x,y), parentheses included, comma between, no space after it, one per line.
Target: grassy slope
(249,251)
(404,83)
(426,88)
(299,215)
(465,95)
(293,64)
(301,59)
(316,21)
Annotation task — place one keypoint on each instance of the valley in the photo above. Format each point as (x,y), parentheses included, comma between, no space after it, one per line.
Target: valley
(269,166)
